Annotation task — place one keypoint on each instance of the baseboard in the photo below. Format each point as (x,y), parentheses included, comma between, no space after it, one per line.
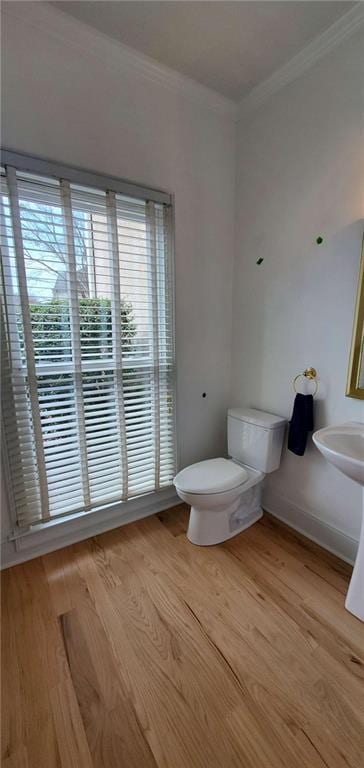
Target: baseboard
(60,534)
(309,525)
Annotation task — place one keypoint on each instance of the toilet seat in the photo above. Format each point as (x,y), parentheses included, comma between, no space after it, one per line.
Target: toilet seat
(211,476)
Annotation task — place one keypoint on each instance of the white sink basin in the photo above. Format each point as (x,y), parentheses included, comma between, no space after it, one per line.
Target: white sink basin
(343,446)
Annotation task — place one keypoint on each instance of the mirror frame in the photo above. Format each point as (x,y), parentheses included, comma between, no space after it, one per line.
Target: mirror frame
(356,351)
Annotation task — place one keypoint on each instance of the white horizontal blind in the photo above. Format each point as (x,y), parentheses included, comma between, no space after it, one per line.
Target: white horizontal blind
(88,345)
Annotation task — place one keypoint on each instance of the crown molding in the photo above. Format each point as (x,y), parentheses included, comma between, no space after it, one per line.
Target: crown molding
(81,37)
(343,28)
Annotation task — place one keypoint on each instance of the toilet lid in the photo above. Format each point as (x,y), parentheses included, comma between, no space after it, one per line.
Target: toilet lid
(211,476)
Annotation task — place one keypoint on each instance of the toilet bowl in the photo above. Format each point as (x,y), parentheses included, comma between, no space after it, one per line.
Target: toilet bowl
(219,512)
(225,494)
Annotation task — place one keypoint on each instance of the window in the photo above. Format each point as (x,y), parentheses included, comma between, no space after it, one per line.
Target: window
(88,340)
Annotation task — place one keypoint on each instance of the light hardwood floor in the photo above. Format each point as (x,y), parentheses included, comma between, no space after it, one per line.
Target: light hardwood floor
(136,649)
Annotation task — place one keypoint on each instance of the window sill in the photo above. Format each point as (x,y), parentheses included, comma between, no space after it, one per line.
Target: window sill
(60,533)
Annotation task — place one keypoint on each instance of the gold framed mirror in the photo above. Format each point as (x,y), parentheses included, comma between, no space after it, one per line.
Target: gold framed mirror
(355,383)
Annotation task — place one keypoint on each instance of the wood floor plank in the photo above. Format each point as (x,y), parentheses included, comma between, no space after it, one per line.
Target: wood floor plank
(67,588)
(69,728)
(112,729)
(56,565)
(12,728)
(35,644)
(136,648)
(18,759)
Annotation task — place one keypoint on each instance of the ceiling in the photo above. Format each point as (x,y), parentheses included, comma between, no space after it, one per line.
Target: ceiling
(228,46)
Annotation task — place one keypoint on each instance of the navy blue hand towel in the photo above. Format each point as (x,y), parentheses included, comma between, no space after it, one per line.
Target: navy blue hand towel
(301,423)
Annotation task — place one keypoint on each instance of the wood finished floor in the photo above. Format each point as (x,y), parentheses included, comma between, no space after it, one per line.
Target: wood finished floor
(136,649)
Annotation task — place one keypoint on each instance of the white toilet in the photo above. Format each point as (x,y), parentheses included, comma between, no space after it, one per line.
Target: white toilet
(225,494)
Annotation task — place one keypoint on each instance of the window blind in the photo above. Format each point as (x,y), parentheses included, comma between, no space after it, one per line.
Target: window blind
(87,344)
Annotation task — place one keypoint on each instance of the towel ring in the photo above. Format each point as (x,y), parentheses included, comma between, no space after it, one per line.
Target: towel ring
(309,373)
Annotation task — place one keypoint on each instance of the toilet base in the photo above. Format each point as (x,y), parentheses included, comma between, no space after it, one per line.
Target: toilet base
(212,526)
(196,534)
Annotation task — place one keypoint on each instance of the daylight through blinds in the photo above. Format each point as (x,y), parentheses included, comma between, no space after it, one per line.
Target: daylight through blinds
(87,345)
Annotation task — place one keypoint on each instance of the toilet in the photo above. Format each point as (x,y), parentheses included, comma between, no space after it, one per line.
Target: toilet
(225,494)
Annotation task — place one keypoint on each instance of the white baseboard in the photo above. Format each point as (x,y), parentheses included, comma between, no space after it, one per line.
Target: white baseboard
(309,525)
(61,533)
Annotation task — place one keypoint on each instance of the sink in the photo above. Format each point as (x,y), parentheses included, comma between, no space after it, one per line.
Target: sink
(343,446)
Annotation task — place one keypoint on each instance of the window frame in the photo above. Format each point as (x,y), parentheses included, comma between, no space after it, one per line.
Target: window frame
(75,175)
(82,177)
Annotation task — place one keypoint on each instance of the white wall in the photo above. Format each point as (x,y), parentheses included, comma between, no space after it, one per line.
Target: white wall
(300,175)
(69,105)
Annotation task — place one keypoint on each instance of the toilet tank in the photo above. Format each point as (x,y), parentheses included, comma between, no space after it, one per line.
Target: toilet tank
(255,438)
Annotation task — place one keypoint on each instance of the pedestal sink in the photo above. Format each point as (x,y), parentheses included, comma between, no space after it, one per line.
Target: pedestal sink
(343,446)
